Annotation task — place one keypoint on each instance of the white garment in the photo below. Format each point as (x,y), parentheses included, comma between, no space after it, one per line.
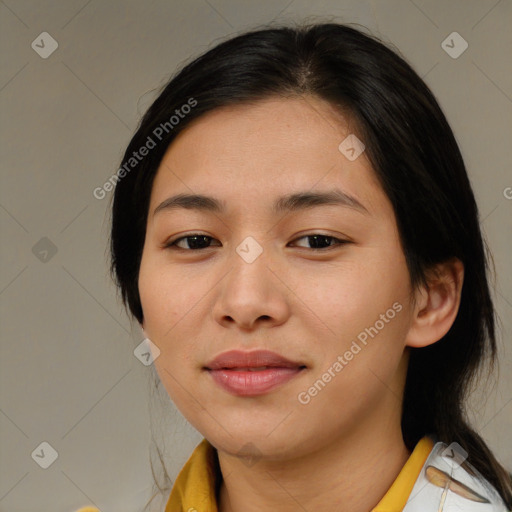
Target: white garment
(447,483)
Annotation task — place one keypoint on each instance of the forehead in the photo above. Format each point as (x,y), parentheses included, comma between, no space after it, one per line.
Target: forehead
(267,148)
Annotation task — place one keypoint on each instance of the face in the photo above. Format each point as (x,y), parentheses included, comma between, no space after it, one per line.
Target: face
(281,300)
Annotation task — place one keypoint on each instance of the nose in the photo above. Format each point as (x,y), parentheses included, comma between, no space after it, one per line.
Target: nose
(251,295)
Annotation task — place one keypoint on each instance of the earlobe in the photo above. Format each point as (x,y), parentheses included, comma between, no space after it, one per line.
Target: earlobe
(437,304)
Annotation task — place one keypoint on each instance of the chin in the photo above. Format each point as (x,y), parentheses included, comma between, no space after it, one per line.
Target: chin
(256,439)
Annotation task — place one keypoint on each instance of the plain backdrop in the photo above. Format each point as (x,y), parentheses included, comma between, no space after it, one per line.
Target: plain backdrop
(69,376)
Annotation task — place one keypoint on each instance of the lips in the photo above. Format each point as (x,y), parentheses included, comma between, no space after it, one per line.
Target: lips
(255,359)
(252,373)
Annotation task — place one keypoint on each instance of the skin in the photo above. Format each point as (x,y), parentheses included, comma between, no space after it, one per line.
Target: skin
(342,450)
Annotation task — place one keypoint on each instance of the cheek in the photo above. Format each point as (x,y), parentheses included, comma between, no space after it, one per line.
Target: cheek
(166,300)
(171,301)
(166,295)
(349,297)
(366,307)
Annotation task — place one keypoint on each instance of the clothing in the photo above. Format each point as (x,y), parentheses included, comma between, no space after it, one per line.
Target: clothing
(448,483)
(434,479)
(196,485)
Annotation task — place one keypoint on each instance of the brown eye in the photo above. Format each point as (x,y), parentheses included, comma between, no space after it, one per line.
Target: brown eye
(192,242)
(321,242)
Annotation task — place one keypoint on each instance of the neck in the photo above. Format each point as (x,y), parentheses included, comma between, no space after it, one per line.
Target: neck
(350,474)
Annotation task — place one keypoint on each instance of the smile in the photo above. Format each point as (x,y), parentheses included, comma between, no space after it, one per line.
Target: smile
(252,373)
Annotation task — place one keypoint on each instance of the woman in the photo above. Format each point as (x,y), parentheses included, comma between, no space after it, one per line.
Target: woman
(294,229)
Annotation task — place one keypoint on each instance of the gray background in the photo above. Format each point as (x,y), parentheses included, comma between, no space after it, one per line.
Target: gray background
(68,373)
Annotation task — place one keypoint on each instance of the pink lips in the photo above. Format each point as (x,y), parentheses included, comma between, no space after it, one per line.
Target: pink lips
(252,373)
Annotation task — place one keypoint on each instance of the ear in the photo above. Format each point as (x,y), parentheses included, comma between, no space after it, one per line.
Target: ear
(437,304)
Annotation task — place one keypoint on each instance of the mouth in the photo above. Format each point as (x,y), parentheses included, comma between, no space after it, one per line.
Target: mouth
(252,373)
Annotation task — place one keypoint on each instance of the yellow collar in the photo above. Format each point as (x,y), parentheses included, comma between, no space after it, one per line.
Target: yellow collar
(197,484)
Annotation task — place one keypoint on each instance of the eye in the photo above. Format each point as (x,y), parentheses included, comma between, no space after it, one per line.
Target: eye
(320,242)
(192,242)
(198,242)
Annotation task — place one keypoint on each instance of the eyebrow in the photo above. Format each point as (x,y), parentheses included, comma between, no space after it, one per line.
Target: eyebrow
(289,203)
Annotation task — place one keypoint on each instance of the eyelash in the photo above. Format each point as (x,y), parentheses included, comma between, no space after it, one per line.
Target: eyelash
(338,242)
